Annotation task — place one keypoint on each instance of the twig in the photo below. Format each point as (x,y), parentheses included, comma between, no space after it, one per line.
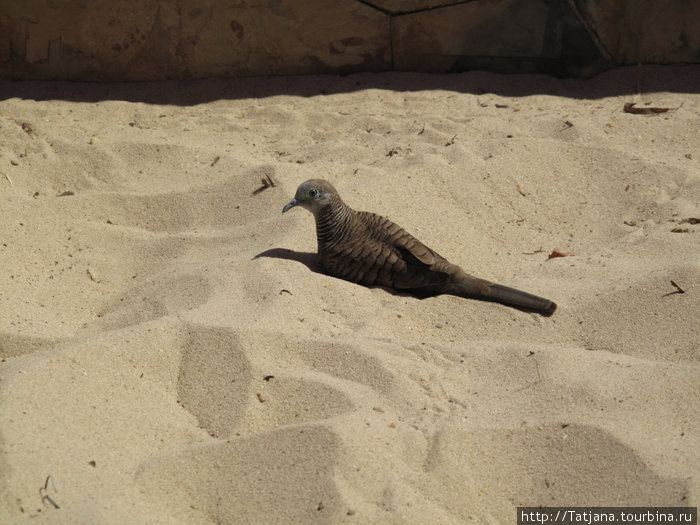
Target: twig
(677,286)
(567,124)
(538,250)
(46,497)
(267,182)
(9,179)
(46,483)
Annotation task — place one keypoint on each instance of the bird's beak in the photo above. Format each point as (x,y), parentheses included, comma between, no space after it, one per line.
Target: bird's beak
(290,205)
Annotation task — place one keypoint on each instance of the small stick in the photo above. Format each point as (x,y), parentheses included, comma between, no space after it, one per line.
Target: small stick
(46,484)
(567,124)
(677,286)
(9,179)
(46,497)
(266,182)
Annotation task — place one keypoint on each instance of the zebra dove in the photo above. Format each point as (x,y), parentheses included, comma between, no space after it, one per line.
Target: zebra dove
(368,249)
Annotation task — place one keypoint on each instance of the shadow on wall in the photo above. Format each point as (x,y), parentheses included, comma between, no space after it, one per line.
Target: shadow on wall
(190,39)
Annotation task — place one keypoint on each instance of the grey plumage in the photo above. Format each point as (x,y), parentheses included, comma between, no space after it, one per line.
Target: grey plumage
(366,248)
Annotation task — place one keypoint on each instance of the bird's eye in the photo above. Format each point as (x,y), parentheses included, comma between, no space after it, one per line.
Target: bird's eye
(313,192)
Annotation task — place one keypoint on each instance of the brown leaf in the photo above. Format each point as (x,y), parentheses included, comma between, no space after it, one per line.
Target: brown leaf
(557,253)
(629,108)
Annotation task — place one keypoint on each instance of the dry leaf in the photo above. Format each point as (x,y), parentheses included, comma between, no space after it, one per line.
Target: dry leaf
(629,108)
(557,253)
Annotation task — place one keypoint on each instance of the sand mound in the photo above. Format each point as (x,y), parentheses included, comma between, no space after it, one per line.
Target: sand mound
(171,354)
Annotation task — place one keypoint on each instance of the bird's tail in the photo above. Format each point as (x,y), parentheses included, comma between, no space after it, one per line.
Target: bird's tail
(481,289)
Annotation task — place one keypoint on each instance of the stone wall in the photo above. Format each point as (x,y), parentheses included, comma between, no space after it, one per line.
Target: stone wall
(162,39)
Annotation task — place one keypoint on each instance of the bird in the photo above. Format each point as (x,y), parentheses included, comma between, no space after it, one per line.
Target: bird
(368,249)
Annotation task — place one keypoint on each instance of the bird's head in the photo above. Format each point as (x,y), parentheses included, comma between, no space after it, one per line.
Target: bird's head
(313,195)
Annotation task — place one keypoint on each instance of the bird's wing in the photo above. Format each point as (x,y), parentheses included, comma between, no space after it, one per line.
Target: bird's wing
(409,263)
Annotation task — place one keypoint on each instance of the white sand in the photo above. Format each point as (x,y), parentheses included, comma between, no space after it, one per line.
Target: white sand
(142,313)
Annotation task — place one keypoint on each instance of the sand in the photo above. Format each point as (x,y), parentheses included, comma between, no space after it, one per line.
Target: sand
(172,354)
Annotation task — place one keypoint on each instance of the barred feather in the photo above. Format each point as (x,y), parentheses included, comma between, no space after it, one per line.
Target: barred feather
(369,249)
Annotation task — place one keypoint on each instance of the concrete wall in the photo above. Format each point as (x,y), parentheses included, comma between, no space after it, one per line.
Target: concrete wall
(159,39)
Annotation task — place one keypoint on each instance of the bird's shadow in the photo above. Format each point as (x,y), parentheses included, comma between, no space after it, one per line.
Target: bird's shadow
(308,259)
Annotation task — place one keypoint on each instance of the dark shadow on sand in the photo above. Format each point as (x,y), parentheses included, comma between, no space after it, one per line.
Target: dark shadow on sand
(308,259)
(614,82)
(311,262)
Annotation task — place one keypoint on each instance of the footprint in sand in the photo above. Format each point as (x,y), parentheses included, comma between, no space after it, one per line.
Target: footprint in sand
(553,461)
(281,476)
(272,452)
(13,345)
(220,205)
(218,384)
(153,300)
